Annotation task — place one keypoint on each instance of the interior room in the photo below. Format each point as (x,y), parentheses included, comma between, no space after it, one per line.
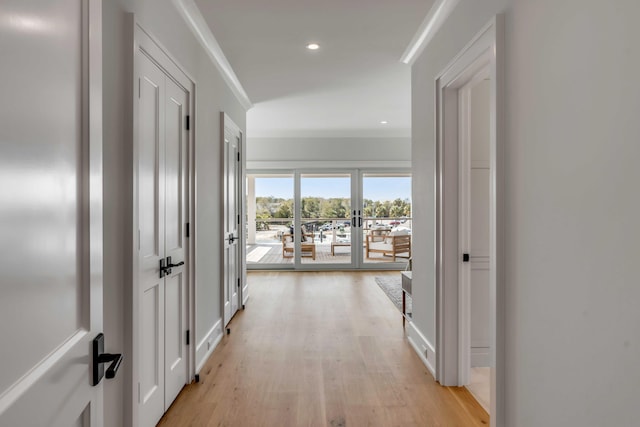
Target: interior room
(283,213)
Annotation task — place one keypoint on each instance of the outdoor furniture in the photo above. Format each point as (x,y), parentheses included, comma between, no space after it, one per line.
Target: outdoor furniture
(307,246)
(392,244)
(334,244)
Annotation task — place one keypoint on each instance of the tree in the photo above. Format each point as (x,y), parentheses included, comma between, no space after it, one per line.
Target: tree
(285,210)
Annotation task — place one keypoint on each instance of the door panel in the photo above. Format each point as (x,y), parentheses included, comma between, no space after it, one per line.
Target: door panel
(478,220)
(175,350)
(50,212)
(175,371)
(480,339)
(231,147)
(175,158)
(151,335)
(151,190)
(162,111)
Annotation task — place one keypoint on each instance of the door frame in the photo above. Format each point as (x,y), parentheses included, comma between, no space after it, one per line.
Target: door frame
(243,293)
(145,43)
(486,49)
(358,262)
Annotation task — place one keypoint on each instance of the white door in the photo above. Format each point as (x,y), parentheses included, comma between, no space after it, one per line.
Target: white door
(50,212)
(162,144)
(231,213)
(175,301)
(475,209)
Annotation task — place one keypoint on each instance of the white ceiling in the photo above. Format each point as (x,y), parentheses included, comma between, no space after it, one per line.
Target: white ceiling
(354,81)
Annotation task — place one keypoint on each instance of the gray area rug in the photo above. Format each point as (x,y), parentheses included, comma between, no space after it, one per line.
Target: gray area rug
(392,286)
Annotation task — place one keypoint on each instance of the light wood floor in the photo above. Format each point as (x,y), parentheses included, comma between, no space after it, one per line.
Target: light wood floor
(319,349)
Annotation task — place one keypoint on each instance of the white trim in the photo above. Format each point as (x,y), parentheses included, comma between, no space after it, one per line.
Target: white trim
(423,348)
(211,337)
(198,25)
(485,50)
(326,164)
(432,23)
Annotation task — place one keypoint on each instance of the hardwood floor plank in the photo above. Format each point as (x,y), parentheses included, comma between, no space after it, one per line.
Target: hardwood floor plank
(319,349)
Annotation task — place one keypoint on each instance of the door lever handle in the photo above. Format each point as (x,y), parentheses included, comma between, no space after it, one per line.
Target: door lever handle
(115,359)
(166,266)
(100,358)
(169,265)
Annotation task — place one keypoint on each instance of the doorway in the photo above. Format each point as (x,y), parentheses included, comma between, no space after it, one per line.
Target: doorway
(473,231)
(161,220)
(469,259)
(314,219)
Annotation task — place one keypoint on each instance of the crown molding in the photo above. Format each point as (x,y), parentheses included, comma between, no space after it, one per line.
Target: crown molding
(198,25)
(437,15)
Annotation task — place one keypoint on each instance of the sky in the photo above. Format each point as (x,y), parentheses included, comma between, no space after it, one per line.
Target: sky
(374,188)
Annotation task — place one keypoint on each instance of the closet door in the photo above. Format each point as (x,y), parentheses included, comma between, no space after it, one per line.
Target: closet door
(151,248)
(176,106)
(162,157)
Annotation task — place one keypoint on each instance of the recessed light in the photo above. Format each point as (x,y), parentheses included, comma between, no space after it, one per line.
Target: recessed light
(313,46)
(384,122)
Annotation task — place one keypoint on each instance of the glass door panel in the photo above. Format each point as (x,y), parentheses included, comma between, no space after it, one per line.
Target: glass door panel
(270,211)
(325,219)
(386,217)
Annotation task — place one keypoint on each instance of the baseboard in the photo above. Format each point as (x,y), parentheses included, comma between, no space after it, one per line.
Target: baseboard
(426,352)
(209,343)
(245,294)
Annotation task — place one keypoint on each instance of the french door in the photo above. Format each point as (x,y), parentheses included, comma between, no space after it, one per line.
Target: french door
(323,219)
(163,108)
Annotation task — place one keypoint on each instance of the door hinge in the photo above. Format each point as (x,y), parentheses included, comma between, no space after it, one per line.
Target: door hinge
(238,283)
(238,156)
(187,337)
(187,124)
(187,230)
(238,219)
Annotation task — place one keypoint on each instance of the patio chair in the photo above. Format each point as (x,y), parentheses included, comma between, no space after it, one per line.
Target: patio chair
(394,243)
(307,246)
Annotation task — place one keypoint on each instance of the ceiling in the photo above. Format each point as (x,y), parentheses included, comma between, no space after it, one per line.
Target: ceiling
(345,88)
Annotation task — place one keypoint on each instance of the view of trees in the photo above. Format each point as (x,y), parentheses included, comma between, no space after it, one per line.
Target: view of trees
(318,207)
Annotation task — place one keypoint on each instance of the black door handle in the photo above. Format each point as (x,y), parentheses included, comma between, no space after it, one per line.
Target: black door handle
(169,265)
(166,266)
(100,358)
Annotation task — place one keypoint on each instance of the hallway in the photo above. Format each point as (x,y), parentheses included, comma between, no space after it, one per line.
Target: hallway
(313,349)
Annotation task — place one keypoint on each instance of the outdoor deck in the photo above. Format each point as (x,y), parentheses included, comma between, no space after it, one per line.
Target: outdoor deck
(271,253)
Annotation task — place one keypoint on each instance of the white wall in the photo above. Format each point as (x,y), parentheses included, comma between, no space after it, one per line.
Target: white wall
(572,204)
(295,150)
(161,19)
